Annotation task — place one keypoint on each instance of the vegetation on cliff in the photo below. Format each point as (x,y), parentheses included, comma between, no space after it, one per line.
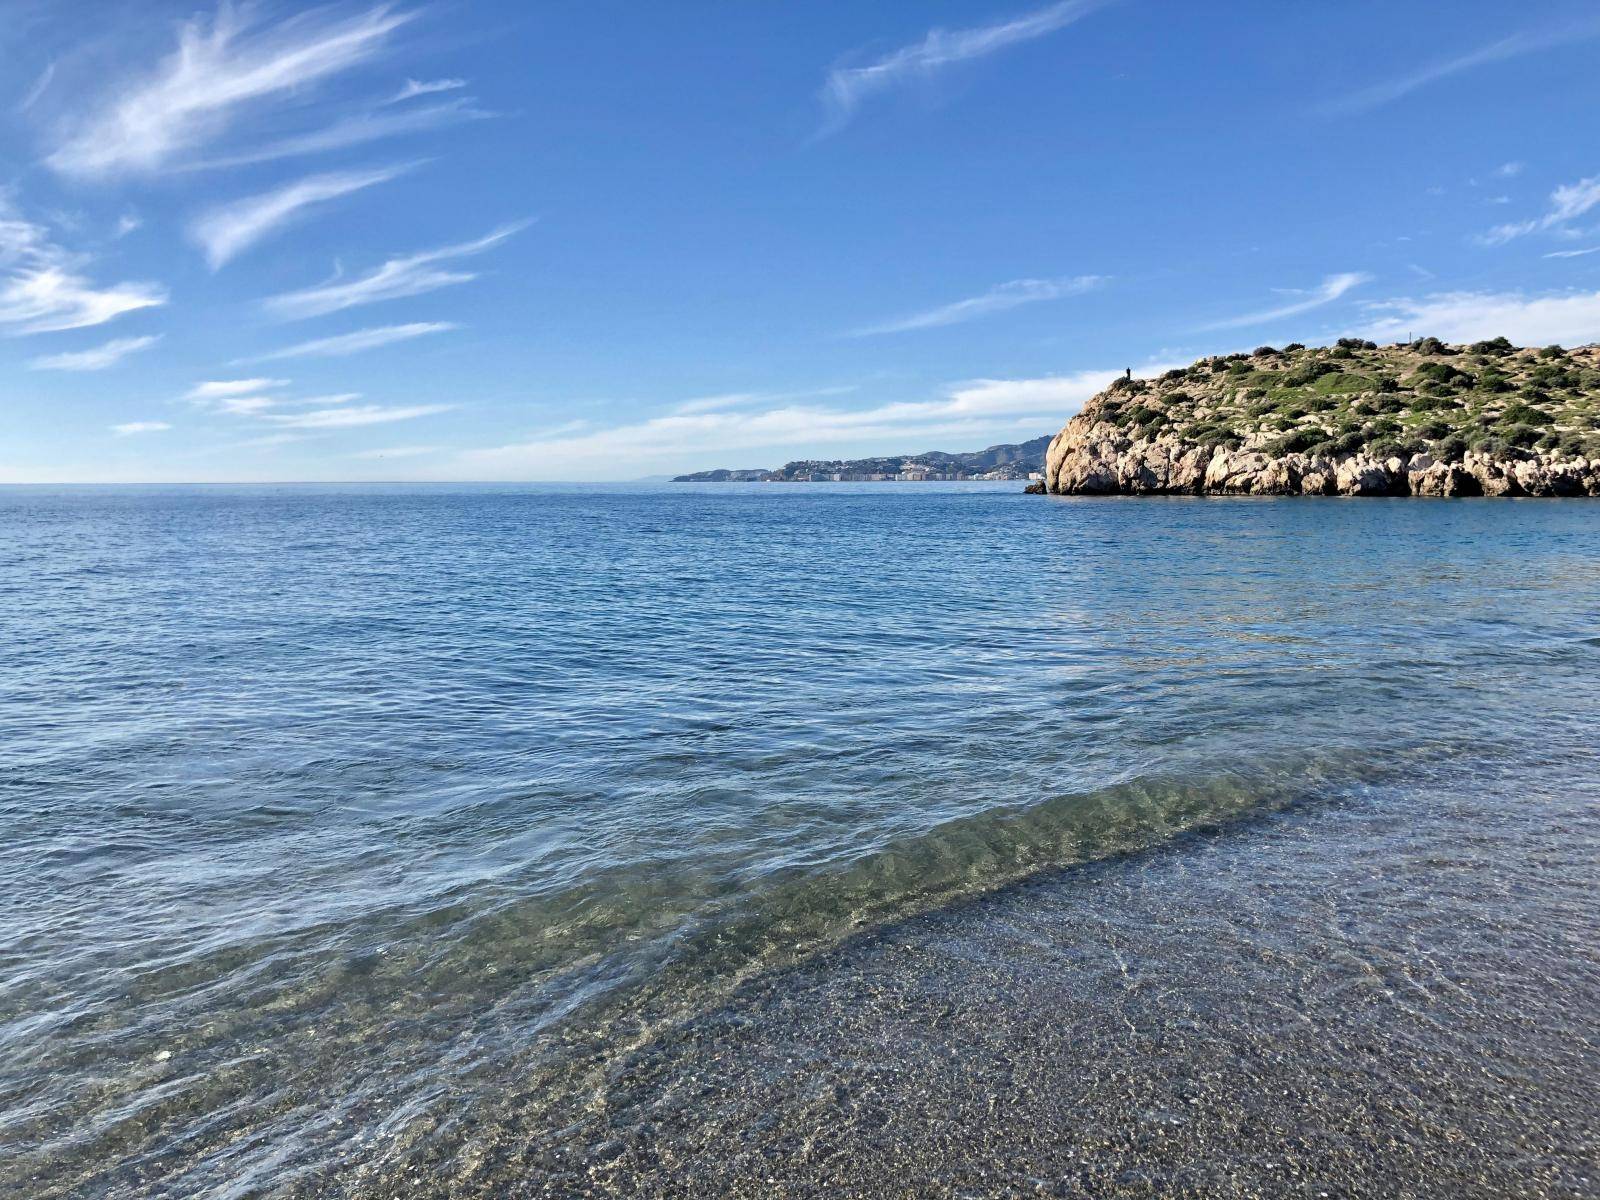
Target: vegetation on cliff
(1421,418)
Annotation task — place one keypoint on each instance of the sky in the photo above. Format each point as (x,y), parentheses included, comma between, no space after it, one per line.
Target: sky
(494,240)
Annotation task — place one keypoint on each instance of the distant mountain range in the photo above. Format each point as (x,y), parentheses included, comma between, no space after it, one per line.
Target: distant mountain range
(1010,461)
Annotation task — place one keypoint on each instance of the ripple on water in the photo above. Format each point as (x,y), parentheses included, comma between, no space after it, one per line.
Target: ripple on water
(354,832)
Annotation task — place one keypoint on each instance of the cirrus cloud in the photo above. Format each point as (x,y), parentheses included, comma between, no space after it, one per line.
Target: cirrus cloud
(411,275)
(354,343)
(1000,298)
(1514,46)
(228,230)
(1329,290)
(218,389)
(352,417)
(847,87)
(43,288)
(1567,203)
(96,359)
(217,72)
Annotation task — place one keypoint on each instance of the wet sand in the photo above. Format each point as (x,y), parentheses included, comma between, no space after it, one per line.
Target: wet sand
(1393,995)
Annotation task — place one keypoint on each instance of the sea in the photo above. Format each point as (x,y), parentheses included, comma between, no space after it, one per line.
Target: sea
(478,840)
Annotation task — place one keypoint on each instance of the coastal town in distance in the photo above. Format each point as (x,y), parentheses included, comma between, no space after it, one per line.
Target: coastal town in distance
(1012,461)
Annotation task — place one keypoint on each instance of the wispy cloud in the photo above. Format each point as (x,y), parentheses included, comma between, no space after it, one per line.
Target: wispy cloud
(270,442)
(330,399)
(355,343)
(218,71)
(700,404)
(229,229)
(245,406)
(999,298)
(1573,253)
(1515,46)
(40,86)
(252,406)
(97,359)
(1572,318)
(129,428)
(1510,170)
(846,87)
(220,388)
(1567,203)
(408,276)
(425,87)
(43,289)
(977,409)
(397,452)
(351,417)
(254,397)
(1331,288)
(351,131)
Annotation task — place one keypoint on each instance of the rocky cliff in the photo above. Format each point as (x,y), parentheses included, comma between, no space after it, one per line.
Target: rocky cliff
(1356,419)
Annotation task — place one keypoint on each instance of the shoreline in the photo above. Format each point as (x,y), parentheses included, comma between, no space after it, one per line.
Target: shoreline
(1251,1010)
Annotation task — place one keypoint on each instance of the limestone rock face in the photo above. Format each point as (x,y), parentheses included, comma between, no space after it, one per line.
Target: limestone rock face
(1355,420)
(1443,479)
(1363,476)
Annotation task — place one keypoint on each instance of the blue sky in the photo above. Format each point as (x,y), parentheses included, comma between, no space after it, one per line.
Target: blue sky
(497,240)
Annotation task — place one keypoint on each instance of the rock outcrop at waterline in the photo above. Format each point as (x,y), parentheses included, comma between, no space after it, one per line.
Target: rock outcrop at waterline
(1355,419)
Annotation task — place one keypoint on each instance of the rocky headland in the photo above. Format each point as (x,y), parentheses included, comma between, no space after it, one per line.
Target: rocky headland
(1422,418)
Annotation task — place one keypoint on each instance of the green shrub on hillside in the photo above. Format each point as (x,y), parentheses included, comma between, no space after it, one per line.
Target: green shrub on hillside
(1551,376)
(1146,418)
(1443,373)
(1297,442)
(1391,447)
(1426,403)
(1308,373)
(1385,402)
(1518,413)
(1522,435)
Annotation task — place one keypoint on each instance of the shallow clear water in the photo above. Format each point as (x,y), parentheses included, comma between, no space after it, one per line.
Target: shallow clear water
(337,819)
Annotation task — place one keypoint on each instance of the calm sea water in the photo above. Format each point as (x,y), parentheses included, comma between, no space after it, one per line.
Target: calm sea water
(333,816)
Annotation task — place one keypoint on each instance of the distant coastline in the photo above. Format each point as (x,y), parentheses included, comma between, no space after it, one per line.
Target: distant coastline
(1009,461)
(1422,418)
